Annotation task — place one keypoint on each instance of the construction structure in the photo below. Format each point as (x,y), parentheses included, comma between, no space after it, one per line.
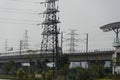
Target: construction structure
(51,31)
(116,28)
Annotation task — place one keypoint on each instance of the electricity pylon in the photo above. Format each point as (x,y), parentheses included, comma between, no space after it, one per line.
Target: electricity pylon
(51,31)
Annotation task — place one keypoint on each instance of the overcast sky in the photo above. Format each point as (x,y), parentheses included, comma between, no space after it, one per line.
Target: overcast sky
(85,16)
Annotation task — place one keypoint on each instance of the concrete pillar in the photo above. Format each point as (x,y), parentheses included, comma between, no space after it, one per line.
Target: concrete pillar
(33,65)
(114,56)
(95,62)
(90,63)
(1,64)
(18,65)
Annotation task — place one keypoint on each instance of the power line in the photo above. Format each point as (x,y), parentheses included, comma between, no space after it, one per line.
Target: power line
(17,20)
(16,9)
(18,23)
(20,12)
(26,1)
(6,45)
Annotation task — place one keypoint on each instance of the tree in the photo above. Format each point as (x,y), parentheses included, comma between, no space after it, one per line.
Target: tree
(118,61)
(80,73)
(96,70)
(64,65)
(41,65)
(21,73)
(9,68)
(49,75)
(31,73)
(72,74)
(64,60)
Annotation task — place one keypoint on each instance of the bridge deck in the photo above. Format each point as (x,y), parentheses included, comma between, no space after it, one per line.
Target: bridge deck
(74,57)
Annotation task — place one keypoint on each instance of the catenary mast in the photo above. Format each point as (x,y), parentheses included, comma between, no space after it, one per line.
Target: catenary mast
(51,31)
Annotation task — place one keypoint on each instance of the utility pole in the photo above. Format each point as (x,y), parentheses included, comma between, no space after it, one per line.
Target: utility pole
(87,62)
(86,42)
(6,45)
(61,42)
(21,45)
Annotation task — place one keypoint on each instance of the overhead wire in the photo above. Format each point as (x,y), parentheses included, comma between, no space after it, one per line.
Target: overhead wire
(20,12)
(18,9)
(18,20)
(26,1)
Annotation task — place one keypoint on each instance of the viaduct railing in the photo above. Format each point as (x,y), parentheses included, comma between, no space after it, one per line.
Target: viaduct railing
(74,57)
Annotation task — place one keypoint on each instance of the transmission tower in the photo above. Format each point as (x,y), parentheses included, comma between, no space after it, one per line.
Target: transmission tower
(51,31)
(73,41)
(25,40)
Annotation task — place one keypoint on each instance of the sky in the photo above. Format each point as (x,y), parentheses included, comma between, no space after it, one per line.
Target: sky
(85,16)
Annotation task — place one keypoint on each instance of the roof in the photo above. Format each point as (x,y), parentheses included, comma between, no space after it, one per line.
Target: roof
(110,26)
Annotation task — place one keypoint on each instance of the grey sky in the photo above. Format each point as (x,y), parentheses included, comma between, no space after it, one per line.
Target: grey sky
(86,16)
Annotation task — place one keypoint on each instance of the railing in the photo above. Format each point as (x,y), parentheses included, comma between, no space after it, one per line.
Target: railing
(92,50)
(116,42)
(14,53)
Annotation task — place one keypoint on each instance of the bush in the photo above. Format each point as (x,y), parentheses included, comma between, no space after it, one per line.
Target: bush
(47,75)
(20,73)
(31,73)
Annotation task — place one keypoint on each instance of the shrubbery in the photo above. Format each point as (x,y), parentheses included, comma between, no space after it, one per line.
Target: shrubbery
(20,73)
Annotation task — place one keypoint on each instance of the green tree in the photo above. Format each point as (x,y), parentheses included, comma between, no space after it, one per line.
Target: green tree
(49,75)
(21,73)
(72,74)
(64,66)
(80,73)
(64,60)
(97,70)
(41,65)
(31,73)
(9,68)
(118,61)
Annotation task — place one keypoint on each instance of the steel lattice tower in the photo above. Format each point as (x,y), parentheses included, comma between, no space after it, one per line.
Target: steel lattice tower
(50,31)
(73,41)
(25,40)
